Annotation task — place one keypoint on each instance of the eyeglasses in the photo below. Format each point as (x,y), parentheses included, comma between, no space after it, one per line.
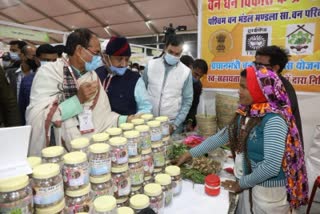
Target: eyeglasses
(261,64)
(92,53)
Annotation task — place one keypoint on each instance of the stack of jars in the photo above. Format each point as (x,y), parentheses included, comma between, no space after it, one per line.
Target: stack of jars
(76,182)
(165,131)
(120,170)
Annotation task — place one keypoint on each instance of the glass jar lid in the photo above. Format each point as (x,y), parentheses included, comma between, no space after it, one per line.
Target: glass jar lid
(47,170)
(114,131)
(34,161)
(14,183)
(152,189)
(79,143)
(52,209)
(52,151)
(146,151)
(131,134)
(79,192)
(154,123)
(104,203)
(163,179)
(125,210)
(135,159)
(120,169)
(137,122)
(162,119)
(99,148)
(126,126)
(142,128)
(172,170)
(118,141)
(74,158)
(139,201)
(100,179)
(147,116)
(100,137)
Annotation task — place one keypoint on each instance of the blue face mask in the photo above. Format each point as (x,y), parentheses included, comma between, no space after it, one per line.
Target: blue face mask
(14,56)
(170,59)
(118,71)
(94,64)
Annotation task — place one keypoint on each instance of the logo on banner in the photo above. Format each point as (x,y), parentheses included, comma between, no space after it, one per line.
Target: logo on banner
(300,39)
(220,42)
(255,38)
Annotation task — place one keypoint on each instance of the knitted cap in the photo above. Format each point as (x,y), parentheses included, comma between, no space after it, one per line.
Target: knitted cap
(118,46)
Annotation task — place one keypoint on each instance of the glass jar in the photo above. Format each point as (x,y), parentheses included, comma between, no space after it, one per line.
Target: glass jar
(121,181)
(134,144)
(78,200)
(136,171)
(137,122)
(99,159)
(165,126)
(101,185)
(145,137)
(155,131)
(114,132)
(56,209)
(75,170)
(34,161)
(147,180)
(165,181)
(154,191)
(53,154)
(147,161)
(136,190)
(80,144)
(119,151)
(174,172)
(125,210)
(47,185)
(157,171)
(100,138)
(126,126)
(16,195)
(122,202)
(105,205)
(139,202)
(146,117)
(168,149)
(158,154)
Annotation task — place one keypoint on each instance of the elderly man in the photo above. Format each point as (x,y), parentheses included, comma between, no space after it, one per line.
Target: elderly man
(126,90)
(68,95)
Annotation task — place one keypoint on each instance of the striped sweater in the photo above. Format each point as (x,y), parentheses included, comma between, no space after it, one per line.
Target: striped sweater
(268,171)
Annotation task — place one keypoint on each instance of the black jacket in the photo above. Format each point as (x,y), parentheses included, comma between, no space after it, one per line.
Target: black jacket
(197,90)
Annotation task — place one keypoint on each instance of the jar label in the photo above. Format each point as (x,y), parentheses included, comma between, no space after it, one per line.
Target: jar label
(48,195)
(165,129)
(77,208)
(107,191)
(24,206)
(148,165)
(132,149)
(119,155)
(167,197)
(159,159)
(137,176)
(122,185)
(76,176)
(145,142)
(177,187)
(100,167)
(156,136)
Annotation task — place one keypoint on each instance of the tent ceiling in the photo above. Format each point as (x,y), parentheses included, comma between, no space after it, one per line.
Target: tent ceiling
(123,17)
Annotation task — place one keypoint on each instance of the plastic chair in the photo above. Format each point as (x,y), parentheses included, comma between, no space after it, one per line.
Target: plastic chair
(314,189)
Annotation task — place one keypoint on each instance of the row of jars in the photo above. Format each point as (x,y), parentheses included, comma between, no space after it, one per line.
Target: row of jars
(48,191)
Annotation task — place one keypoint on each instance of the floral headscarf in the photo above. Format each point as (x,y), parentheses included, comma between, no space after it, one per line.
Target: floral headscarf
(293,163)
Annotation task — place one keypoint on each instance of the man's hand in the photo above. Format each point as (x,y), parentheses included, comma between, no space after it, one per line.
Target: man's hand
(132,117)
(87,90)
(172,128)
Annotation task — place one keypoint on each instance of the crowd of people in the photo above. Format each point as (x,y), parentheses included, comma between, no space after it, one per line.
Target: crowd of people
(89,90)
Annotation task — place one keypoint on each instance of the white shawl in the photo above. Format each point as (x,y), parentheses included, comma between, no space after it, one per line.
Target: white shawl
(45,91)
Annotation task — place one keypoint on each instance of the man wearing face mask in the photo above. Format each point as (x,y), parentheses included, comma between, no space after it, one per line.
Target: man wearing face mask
(67,95)
(126,90)
(29,64)
(169,84)
(45,53)
(15,51)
